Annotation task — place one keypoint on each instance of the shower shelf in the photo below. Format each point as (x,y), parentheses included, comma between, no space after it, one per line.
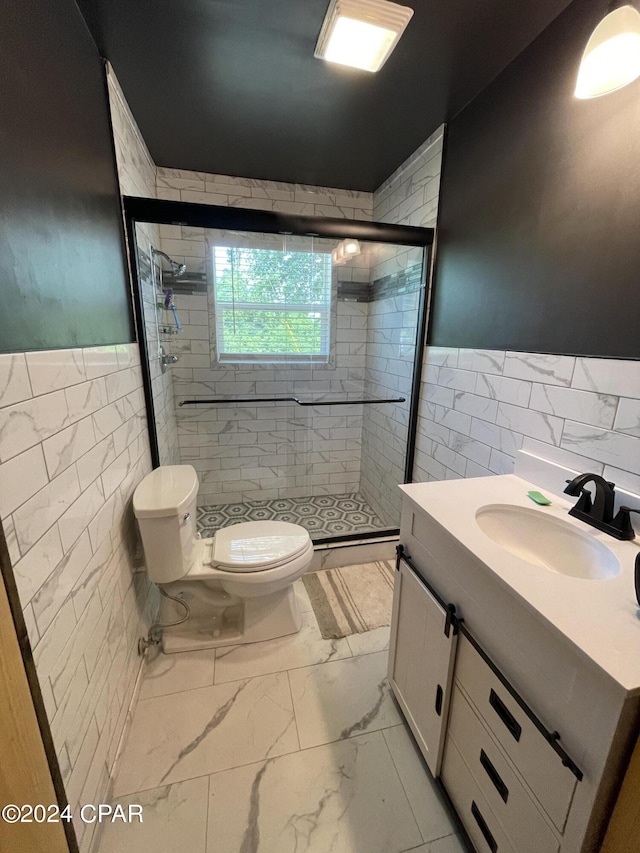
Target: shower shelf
(231,401)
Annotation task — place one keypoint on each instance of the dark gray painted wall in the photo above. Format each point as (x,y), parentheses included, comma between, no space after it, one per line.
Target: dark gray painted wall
(63,278)
(539,241)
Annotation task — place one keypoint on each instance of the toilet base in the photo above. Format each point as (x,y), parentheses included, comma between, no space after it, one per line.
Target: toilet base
(253,620)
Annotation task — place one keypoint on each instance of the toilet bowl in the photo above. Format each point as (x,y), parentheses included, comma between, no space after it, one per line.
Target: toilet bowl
(238,584)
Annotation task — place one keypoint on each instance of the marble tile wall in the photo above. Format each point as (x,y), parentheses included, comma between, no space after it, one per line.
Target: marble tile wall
(265,451)
(73,447)
(408,197)
(137,177)
(262,451)
(390,352)
(136,169)
(228,191)
(481,406)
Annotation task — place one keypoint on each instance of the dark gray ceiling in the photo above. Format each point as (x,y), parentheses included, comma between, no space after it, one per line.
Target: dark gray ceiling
(232,86)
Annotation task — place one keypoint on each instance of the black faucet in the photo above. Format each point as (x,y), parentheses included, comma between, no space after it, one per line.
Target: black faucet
(598,512)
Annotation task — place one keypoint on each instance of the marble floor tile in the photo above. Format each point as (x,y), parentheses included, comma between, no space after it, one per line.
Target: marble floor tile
(426,801)
(341,699)
(184,735)
(304,602)
(296,650)
(342,797)
(448,844)
(174,818)
(369,641)
(176,672)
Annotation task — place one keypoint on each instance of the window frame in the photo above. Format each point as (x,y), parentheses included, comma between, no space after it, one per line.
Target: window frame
(327,308)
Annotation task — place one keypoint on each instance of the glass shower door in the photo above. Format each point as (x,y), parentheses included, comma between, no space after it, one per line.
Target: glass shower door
(292,387)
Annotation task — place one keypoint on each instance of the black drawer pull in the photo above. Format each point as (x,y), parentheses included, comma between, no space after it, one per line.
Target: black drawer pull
(493,774)
(439,697)
(514,727)
(484,829)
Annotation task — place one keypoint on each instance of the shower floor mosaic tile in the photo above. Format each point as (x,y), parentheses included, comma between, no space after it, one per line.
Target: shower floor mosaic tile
(321,515)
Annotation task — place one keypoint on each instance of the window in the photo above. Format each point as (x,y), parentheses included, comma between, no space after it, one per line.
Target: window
(271,305)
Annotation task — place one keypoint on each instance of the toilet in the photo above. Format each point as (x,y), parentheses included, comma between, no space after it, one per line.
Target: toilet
(238,585)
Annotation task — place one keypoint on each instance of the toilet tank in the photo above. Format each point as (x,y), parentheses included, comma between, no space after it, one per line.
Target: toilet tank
(164,504)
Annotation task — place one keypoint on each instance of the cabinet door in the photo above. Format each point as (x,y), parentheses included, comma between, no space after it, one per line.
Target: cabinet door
(421,656)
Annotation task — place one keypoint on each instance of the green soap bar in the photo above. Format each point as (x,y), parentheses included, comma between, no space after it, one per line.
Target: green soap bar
(539,498)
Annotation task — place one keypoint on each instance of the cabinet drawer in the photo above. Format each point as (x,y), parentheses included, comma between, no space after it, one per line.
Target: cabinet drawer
(536,760)
(505,794)
(473,810)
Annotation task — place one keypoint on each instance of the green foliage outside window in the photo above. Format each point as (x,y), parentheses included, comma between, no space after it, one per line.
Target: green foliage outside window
(269,303)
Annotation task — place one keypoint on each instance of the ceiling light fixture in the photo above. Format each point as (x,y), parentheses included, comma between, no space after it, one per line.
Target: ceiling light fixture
(361,33)
(611,58)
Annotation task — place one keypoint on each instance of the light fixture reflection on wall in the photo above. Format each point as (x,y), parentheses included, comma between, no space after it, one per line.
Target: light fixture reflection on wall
(611,58)
(351,247)
(344,251)
(361,33)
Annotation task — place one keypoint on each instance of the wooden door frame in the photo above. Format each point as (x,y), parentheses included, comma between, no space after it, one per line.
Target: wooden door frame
(30,734)
(623,831)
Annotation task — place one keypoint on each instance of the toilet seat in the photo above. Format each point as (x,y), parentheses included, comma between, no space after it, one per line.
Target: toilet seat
(248,583)
(254,546)
(285,547)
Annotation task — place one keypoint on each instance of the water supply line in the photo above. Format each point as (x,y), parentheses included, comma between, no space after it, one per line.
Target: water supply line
(154,636)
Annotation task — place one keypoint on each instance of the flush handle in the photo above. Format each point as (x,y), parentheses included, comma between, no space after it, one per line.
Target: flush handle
(187,517)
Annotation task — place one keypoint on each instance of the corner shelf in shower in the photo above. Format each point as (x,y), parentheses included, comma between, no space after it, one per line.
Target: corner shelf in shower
(231,401)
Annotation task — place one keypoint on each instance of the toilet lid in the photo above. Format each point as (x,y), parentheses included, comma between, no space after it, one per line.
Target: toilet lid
(257,545)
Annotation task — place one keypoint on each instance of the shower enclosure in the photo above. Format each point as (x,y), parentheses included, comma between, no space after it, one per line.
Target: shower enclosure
(281,357)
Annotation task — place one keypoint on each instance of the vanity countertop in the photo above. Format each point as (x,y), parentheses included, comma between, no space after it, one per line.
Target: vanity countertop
(599,617)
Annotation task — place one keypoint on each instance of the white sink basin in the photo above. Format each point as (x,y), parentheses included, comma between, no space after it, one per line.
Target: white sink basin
(546,541)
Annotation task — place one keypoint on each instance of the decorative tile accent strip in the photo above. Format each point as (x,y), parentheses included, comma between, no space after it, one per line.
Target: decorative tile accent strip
(397,283)
(354,291)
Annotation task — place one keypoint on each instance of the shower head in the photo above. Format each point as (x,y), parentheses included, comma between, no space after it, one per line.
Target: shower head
(176,268)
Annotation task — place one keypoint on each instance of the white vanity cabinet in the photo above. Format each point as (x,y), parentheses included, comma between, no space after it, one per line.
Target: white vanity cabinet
(532,737)
(495,753)
(421,655)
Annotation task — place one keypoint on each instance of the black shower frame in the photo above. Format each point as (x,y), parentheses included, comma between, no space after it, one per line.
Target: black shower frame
(163,212)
